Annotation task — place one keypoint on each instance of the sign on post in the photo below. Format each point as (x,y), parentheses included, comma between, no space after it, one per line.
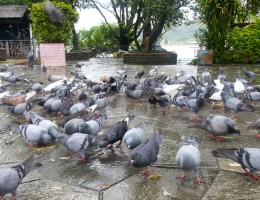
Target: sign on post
(52,54)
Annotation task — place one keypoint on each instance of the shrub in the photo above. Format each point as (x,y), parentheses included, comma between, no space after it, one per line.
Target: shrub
(243,44)
(46,30)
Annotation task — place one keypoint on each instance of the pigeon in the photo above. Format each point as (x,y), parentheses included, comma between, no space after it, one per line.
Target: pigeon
(221,75)
(44,69)
(66,105)
(217,125)
(164,101)
(4,68)
(38,87)
(135,136)
(139,74)
(114,133)
(135,93)
(234,104)
(147,152)
(180,101)
(80,143)
(30,60)
(246,157)
(249,74)
(194,105)
(252,96)
(50,126)
(73,125)
(254,125)
(188,159)
(10,178)
(172,90)
(77,108)
(205,74)
(93,126)
(153,72)
(53,105)
(20,108)
(33,134)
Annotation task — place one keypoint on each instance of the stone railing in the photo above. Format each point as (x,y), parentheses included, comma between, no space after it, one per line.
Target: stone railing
(160,58)
(78,55)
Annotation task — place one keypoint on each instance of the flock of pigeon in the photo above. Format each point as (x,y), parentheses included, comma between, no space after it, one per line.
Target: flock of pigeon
(80,104)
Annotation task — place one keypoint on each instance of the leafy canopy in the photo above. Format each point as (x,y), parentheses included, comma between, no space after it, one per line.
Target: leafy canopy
(45,30)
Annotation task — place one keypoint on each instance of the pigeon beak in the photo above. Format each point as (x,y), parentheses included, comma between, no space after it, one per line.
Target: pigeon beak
(132,161)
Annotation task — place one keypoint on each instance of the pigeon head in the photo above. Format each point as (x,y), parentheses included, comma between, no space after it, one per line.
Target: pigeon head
(192,141)
(62,138)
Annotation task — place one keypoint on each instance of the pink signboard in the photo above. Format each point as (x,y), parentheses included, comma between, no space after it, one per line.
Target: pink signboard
(52,54)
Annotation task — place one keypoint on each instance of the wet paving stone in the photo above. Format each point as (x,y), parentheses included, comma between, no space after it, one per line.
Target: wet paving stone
(108,174)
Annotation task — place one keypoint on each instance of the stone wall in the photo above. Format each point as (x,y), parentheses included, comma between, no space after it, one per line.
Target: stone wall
(78,55)
(165,58)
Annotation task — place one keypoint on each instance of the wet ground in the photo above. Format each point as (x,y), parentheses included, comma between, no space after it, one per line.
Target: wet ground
(109,175)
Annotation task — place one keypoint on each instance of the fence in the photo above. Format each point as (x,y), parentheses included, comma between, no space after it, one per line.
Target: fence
(17,49)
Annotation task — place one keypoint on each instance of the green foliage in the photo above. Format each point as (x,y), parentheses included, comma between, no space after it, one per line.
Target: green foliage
(243,44)
(217,16)
(43,28)
(99,36)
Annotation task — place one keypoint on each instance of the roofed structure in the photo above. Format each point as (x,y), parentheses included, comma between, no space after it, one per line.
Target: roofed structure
(14,22)
(8,12)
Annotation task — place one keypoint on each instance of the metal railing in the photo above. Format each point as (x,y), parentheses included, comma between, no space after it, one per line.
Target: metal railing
(17,49)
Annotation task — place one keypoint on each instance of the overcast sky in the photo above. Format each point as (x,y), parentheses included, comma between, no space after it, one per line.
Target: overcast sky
(91,17)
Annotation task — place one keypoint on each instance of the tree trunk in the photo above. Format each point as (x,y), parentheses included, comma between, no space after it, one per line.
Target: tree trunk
(75,42)
(146,43)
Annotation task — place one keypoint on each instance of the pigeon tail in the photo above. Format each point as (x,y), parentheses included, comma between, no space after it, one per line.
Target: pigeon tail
(14,126)
(226,153)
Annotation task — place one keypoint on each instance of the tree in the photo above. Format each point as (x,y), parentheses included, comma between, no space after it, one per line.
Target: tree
(46,28)
(101,36)
(217,16)
(143,16)
(246,9)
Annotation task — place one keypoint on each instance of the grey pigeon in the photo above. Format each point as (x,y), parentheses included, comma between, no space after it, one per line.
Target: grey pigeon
(135,93)
(20,108)
(73,125)
(147,152)
(205,74)
(114,133)
(252,96)
(188,159)
(66,105)
(77,108)
(10,178)
(180,101)
(50,126)
(135,136)
(221,75)
(246,157)
(38,87)
(249,74)
(194,105)
(153,72)
(254,125)
(80,143)
(33,134)
(93,126)
(234,104)
(217,125)
(53,105)
(139,74)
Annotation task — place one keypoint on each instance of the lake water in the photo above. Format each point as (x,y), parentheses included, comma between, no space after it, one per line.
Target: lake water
(185,52)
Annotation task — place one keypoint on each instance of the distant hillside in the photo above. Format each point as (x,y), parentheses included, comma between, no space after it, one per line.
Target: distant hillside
(181,34)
